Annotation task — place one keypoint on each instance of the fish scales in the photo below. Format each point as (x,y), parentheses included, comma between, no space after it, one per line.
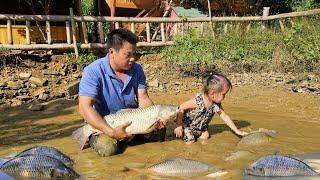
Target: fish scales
(37,166)
(144,116)
(276,165)
(143,121)
(179,166)
(48,151)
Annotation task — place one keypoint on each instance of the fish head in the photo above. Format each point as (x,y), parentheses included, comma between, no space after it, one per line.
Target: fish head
(255,170)
(64,173)
(167,112)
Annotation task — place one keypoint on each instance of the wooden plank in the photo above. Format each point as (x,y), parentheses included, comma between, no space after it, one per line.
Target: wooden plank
(60,18)
(9,32)
(80,45)
(48,29)
(28,39)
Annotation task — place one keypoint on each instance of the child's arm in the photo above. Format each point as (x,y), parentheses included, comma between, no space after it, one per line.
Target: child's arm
(190,104)
(230,123)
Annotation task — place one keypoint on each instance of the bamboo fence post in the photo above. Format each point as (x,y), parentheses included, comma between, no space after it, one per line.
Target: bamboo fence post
(68,32)
(163,35)
(117,25)
(238,28)
(132,28)
(225,29)
(74,34)
(281,23)
(48,29)
(100,30)
(265,14)
(248,27)
(9,32)
(28,41)
(291,22)
(182,29)
(211,23)
(148,32)
(84,31)
(202,29)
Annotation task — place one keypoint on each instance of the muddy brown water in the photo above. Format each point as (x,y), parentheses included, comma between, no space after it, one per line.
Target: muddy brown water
(294,116)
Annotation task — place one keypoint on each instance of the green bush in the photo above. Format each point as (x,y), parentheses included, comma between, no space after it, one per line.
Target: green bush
(259,49)
(85,58)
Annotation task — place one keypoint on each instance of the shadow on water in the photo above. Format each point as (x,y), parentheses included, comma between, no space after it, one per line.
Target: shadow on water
(219,128)
(19,126)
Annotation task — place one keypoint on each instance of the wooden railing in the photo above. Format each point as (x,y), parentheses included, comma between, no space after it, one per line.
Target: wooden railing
(71,21)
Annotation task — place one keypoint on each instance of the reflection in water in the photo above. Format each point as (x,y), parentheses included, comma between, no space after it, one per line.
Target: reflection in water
(295,117)
(4,176)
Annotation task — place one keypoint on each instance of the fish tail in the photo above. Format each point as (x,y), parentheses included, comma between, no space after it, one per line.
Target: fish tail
(82,138)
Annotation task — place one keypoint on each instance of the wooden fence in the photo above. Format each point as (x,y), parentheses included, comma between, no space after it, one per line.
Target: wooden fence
(80,22)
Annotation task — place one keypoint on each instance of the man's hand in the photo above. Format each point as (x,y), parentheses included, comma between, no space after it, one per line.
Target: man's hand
(159,125)
(178,131)
(120,133)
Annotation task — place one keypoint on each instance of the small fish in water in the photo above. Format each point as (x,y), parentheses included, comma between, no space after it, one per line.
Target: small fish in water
(277,165)
(37,166)
(48,151)
(143,121)
(238,155)
(178,167)
(257,137)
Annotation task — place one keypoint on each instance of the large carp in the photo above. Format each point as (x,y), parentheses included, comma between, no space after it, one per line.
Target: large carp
(277,165)
(143,120)
(257,137)
(37,167)
(177,166)
(48,151)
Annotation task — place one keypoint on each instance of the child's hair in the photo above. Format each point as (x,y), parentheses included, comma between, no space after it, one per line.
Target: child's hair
(217,82)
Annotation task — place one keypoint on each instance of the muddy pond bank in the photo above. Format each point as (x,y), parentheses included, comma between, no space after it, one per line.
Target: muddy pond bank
(295,116)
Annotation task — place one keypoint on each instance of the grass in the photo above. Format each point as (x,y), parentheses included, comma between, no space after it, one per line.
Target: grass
(258,50)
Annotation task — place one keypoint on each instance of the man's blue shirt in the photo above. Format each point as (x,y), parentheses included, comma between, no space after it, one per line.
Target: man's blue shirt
(110,93)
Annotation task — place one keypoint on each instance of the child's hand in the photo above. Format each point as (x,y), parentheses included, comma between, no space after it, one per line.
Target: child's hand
(241,133)
(178,131)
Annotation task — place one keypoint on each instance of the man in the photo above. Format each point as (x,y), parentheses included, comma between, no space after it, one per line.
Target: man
(110,84)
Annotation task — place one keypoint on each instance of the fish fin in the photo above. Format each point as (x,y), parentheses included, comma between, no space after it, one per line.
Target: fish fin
(276,153)
(217,174)
(125,110)
(82,138)
(308,164)
(314,164)
(139,167)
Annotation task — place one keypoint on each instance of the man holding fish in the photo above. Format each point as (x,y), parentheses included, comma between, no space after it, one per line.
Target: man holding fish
(109,85)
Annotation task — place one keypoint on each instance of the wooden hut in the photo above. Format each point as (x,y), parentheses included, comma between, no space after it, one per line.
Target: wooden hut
(53,7)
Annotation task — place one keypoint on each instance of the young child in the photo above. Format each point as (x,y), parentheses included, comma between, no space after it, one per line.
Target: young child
(196,113)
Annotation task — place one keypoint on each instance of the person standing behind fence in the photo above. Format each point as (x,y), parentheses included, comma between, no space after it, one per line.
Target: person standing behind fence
(112,7)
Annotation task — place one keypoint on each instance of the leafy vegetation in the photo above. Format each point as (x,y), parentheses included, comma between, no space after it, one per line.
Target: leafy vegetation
(259,49)
(85,58)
